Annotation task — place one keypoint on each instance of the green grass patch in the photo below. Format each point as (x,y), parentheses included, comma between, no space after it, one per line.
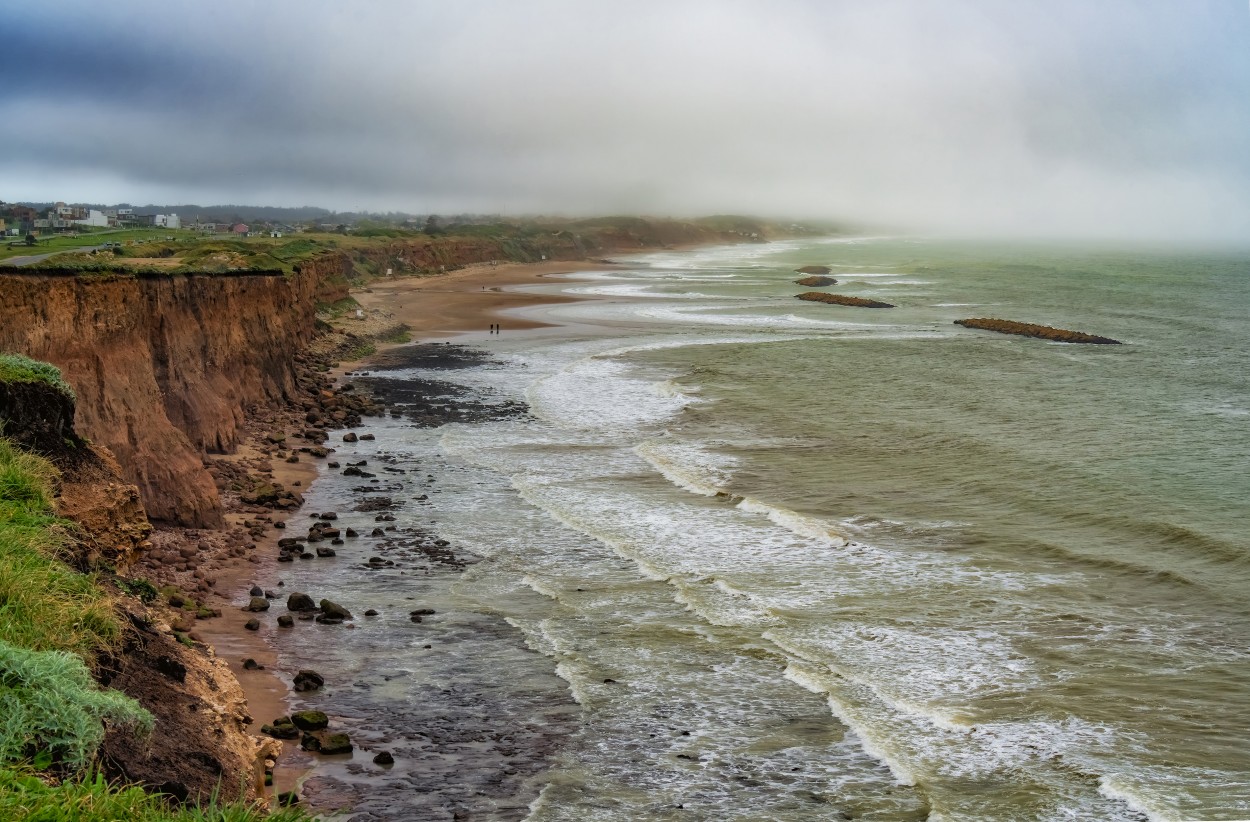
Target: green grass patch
(70,242)
(44,604)
(26,797)
(403,335)
(359,352)
(20,368)
(338,308)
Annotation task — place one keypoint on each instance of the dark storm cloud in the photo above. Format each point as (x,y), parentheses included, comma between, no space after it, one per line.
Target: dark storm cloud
(1118,118)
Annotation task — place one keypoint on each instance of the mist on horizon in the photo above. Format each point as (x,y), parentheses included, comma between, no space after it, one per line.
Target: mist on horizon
(1119,120)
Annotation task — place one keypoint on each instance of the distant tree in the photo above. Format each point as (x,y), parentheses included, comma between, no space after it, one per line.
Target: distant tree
(431,224)
(30,239)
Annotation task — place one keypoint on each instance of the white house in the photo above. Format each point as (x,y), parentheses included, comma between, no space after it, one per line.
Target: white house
(94,218)
(166,221)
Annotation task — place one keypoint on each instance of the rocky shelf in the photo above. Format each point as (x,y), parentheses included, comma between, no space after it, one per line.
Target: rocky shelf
(1044,332)
(816,281)
(813,269)
(841,299)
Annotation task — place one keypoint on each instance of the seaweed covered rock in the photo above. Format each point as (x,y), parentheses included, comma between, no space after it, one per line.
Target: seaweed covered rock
(841,299)
(1044,332)
(816,281)
(310,720)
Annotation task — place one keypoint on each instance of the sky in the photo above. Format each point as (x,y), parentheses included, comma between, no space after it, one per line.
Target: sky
(1081,118)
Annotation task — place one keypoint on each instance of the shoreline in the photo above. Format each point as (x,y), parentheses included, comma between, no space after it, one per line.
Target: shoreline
(435,309)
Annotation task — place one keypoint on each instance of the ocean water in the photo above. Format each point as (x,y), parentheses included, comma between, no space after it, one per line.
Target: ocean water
(752,558)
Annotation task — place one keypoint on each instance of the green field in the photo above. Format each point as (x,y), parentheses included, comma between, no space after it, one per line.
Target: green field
(16,246)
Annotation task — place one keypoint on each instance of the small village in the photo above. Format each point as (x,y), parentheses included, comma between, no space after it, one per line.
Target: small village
(19,221)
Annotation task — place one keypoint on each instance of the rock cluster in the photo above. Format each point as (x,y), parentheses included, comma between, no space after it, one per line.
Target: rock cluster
(1044,332)
(841,299)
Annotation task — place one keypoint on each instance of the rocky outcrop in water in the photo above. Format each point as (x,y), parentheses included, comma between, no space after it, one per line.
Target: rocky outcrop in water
(816,281)
(1044,332)
(813,269)
(841,299)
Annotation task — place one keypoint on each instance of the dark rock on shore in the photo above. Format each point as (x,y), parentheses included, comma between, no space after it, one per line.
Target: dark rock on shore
(1044,332)
(307,680)
(258,603)
(384,758)
(285,621)
(310,720)
(334,610)
(338,743)
(300,602)
(282,728)
(252,625)
(841,299)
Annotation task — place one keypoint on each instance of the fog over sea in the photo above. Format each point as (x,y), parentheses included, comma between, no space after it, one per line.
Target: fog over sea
(752,558)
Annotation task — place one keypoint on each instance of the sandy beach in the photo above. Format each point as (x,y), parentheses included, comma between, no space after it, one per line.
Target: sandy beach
(469,299)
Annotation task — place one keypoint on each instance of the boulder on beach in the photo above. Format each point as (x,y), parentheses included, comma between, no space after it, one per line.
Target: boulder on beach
(310,720)
(300,602)
(258,603)
(334,610)
(282,728)
(336,744)
(286,621)
(307,680)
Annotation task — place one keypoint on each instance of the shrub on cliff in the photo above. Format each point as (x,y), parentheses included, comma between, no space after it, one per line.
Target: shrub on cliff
(20,368)
(51,710)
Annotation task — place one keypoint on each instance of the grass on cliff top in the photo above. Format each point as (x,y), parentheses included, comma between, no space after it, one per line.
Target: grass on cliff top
(44,604)
(20,368)
(24,796)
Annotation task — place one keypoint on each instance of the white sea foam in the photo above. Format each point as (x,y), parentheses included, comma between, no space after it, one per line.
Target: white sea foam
(632,290)
(689,466)
(804,526)
(809,680)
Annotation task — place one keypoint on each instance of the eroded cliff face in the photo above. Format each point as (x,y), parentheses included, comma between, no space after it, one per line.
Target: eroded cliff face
(165,366)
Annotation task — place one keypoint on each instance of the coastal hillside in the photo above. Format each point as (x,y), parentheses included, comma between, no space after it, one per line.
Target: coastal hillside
(92,677)
(167,359)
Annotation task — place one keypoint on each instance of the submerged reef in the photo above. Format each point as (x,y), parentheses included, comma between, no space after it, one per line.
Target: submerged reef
(1044,332)
(841,299)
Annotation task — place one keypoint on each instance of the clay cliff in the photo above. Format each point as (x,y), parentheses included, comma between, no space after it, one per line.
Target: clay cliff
(165,366)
